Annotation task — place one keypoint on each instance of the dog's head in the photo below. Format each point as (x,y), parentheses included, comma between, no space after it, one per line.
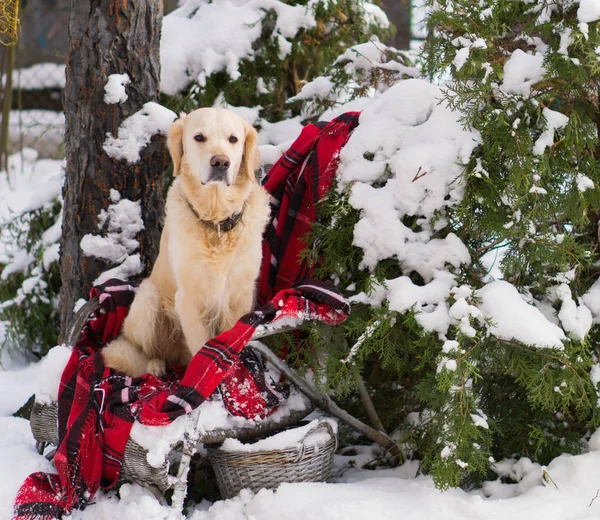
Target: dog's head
(214,145)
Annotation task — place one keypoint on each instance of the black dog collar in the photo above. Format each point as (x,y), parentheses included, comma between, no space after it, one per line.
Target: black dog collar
(224,225)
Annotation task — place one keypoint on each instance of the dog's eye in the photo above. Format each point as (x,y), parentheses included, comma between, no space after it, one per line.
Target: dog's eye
(200,138)
(233,139)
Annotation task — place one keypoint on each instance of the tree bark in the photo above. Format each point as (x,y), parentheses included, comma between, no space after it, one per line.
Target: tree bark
(398,12)
(107,37)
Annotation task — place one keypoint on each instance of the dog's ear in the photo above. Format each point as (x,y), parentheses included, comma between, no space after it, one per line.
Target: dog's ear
(251,158)
(175,144)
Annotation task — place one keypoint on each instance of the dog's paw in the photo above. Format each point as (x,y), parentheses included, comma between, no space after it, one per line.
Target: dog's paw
(157,367)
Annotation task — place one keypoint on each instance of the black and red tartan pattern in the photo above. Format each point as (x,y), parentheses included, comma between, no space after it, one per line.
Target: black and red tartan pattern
(297,182)
(98,406)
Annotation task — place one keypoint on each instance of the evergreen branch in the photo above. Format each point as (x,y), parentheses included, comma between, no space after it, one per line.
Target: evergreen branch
(537,351)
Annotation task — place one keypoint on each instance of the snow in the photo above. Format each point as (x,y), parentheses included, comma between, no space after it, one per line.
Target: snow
(39,76)
(269,154)
(575,319)
(18,457)
(131,266)
(374,15)
(462,55)
(318,88)
(120,224)
(50,370)
(137,130)
(584,183)
(566,40)
(430,299)
(592,300)
(115,88)
(554,121)
(521,71)
(363,63)
(283,132)
(355,493)
(589,11)
(192,50)
(408,130)
(42,129)
(387,495)
(31,183)
(250,114)
(538,190)
(311,434)
(209,416)
(363,58)
(514,319)
(594,442)
(418,149)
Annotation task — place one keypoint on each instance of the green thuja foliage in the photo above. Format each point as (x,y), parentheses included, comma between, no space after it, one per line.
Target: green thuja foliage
(269,79)
(526,76)
(521,195)
(357,73)
(29,283)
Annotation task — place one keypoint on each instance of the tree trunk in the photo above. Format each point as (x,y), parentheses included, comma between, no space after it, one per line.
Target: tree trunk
(398,12)
(107,37)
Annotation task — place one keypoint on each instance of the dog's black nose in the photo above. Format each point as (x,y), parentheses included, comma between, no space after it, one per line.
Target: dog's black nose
(220,162)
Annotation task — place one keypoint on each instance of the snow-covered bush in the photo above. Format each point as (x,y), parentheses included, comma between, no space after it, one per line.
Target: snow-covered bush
(30,222)
(355,76)
(258,53)
(464,228)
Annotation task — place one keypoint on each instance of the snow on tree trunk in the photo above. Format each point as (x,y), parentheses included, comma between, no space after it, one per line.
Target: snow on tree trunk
(105,38)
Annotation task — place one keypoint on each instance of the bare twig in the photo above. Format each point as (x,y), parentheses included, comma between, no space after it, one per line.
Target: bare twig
(419,175)
(324,402)
(368,404)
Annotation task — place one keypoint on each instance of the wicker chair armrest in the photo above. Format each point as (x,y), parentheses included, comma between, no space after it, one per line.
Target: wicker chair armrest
(80,319)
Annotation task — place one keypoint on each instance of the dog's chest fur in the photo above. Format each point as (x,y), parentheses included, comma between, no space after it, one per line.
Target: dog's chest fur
(219,270)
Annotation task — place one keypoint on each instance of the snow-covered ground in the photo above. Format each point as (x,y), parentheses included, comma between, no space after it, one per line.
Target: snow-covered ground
(356,494)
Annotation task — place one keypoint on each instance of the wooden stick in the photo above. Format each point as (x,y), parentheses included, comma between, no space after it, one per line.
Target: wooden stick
(368,404)
(325,403)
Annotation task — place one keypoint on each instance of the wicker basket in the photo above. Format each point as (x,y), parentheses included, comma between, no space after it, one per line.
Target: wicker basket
(267,469)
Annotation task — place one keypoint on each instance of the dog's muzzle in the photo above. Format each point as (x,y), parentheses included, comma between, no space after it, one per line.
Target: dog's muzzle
(219,169)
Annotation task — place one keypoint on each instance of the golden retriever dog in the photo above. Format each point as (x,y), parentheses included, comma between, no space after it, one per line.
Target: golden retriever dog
(210,250)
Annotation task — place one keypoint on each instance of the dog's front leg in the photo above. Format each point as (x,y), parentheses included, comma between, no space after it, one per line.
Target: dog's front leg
(194,329)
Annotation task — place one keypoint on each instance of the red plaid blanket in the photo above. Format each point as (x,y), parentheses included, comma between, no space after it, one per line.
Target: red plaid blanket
(97,406)
(296,183)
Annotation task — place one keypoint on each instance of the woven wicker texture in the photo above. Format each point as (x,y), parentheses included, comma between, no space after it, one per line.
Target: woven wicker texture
(9,21)
(267,469)
(44,422)
(44,426)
